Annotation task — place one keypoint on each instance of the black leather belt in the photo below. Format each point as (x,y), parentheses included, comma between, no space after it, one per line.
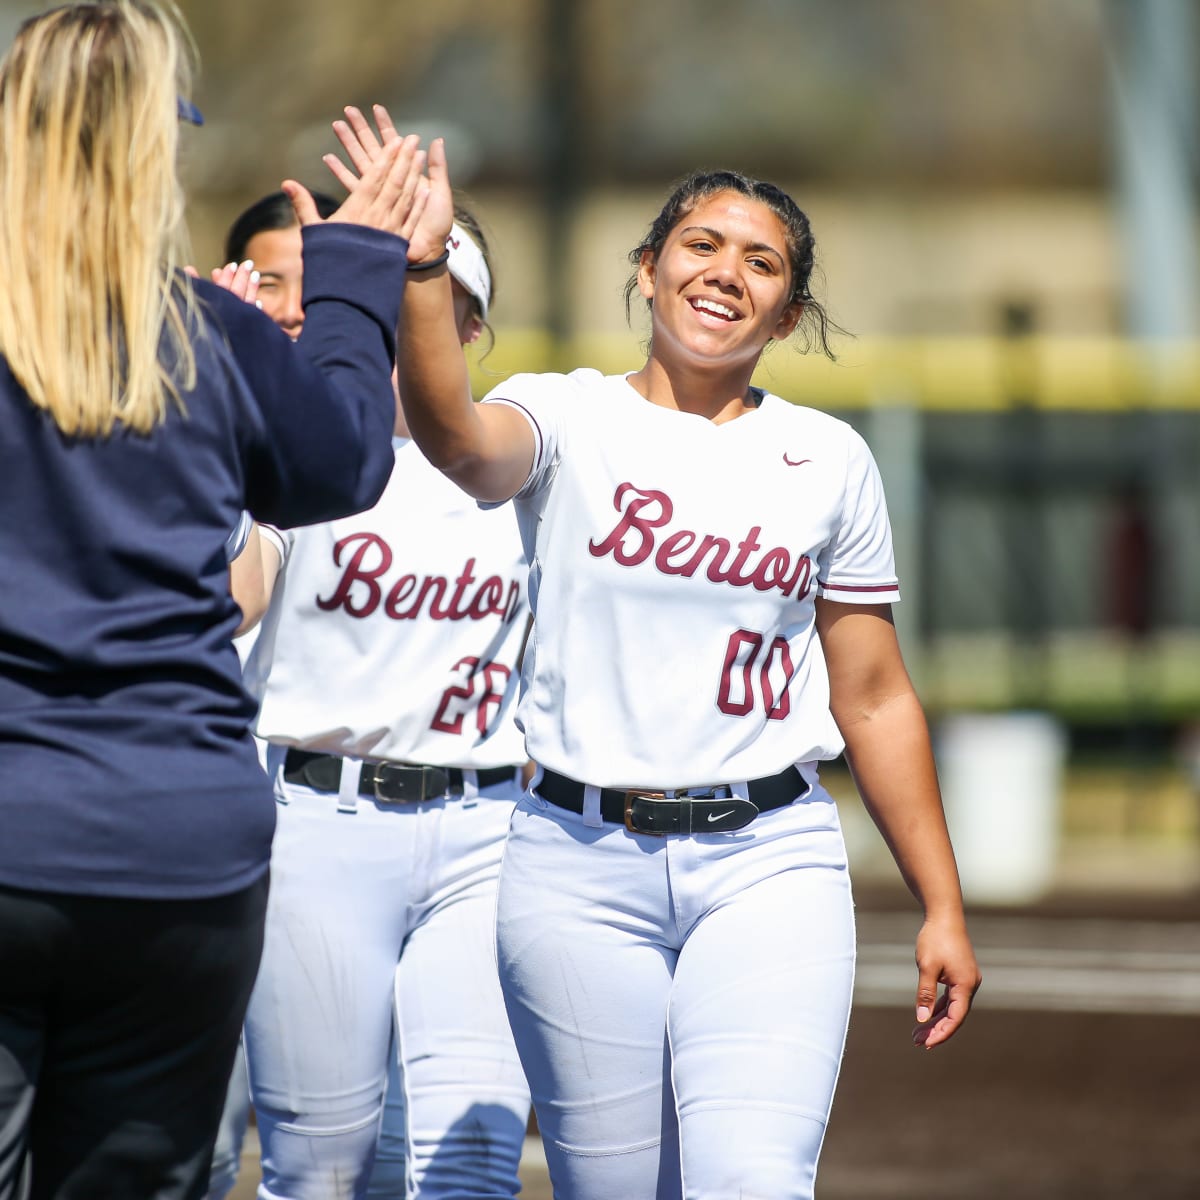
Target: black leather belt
(387,782)
(642,810)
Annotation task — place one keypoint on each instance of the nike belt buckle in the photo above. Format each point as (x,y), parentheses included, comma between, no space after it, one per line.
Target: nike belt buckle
(720,815)
(695,812)
(639,794)
(397,783)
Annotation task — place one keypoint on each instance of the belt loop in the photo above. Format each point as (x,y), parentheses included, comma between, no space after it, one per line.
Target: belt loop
(276,758)
(810,775)
(740,790)
(591,807)
(470,788)
(348,787)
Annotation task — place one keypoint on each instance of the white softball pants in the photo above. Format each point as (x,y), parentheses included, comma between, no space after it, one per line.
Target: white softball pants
(680,1004)
(384,912)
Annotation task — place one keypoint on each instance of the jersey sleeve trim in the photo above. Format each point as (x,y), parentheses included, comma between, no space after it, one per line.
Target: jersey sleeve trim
(882,593)
(539,437)
(278,538)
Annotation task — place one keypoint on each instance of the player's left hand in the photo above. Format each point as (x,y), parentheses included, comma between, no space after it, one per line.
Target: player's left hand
(239,278)
(945,957)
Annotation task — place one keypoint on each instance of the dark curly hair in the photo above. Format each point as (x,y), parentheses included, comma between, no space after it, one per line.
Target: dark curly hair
(815,324)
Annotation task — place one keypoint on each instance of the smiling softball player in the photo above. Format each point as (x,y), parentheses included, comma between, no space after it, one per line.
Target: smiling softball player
(711,573)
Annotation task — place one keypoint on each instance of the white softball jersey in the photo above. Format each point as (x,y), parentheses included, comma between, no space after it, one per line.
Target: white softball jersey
(674,568)
(397,633)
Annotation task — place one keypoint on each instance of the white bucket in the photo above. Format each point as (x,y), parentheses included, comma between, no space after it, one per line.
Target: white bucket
(1001,778)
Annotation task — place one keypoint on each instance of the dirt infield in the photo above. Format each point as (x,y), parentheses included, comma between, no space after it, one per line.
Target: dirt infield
(1066,1106)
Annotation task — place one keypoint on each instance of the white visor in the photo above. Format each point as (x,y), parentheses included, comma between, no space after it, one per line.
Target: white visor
(467,265)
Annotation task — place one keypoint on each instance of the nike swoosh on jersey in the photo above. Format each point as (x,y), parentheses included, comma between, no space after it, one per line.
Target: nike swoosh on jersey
(795,464)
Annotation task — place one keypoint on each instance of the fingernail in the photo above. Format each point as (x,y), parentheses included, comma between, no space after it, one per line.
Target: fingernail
(254,277)
(231,266)
(247,264)
(258,304)
(923,1013)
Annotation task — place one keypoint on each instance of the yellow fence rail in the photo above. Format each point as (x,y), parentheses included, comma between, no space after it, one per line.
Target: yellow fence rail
(964,374)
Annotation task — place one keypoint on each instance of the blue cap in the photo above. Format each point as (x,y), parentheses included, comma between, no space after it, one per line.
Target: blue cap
(187,111)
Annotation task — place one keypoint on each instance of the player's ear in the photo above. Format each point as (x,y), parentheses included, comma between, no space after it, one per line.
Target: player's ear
(647,273)
(788,321)
(473,331)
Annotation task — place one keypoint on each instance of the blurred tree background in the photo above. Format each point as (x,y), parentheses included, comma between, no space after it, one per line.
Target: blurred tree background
(947,150)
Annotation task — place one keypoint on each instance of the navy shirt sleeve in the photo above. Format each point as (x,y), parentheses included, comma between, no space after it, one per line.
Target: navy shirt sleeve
(322,447)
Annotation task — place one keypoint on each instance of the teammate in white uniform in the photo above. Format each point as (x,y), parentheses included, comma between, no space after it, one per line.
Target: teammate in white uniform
(387,669)
(263,248)
(711,577)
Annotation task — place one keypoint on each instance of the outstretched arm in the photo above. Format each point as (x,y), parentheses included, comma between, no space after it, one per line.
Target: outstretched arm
(888,750)
(486,449)
(323,448)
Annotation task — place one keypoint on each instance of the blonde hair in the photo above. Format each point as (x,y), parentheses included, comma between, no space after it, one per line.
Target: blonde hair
(94,312)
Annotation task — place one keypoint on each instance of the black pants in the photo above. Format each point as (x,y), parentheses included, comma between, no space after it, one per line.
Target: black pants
(118,1025)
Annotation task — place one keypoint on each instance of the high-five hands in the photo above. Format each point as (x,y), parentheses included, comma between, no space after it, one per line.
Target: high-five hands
(390,191)
(427,235)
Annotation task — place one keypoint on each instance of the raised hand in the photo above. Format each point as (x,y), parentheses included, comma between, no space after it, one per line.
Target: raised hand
(389,193)
(363,147)
(438,215)
(360,142)
(239,278)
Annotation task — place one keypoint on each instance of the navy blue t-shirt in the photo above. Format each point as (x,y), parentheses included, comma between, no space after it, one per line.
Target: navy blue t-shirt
(126,766)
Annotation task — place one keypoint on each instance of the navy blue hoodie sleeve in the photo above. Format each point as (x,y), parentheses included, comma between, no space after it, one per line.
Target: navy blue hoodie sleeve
(323,448)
